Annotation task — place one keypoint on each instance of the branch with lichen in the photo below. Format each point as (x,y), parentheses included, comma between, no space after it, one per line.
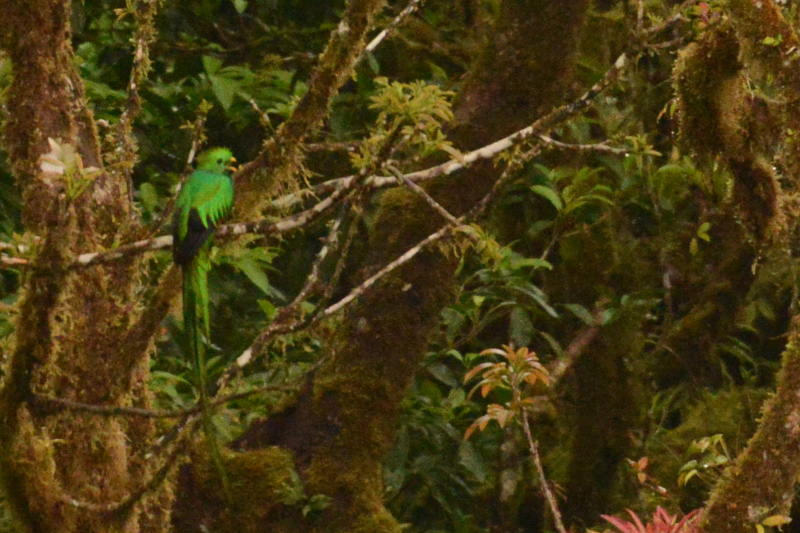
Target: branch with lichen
(533,133)
(393,25)
(283,154)
(124,155)
(537,130)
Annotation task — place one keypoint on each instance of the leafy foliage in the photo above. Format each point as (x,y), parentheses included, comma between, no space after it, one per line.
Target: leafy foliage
(519,367)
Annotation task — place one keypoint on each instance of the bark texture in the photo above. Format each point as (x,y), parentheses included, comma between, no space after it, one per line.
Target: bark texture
(720,117)
(71,324)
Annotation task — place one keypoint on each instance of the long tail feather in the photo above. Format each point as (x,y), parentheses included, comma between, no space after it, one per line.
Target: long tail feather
(195,301)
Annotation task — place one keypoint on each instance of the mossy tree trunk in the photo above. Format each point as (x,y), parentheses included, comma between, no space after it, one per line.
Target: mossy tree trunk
(59,470)
(722,119)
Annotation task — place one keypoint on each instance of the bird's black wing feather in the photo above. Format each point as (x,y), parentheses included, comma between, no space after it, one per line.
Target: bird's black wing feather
(196,235)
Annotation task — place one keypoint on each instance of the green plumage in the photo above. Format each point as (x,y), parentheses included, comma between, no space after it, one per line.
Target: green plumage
(204,201)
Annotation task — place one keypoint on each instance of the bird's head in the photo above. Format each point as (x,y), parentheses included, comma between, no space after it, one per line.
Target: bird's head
(216,160)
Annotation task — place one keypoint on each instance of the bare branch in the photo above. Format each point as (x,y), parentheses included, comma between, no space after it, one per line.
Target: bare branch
(283,322)
(404,14)
(424,195)
(548,494)
(12,262)
(489,151)
(584,148)
(48,404)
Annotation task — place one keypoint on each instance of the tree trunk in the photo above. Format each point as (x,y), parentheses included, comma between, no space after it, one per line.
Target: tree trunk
(60,469)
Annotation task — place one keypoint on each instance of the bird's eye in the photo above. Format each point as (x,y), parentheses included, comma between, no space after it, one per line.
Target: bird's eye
(219,161)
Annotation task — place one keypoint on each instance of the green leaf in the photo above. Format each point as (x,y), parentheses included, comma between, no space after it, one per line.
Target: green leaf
(240,5)
(520,327)
(211,65)
(554,344)
(317,503)
(256,275)
(537,227)
(694,248)
(373,63)
(776,520)
(702,231)
(550,195)
(225,90)
(581,312)
(608,316)
(538,296)
(520,262)
(470,459)
(444,374)
(269,309)
(148,196)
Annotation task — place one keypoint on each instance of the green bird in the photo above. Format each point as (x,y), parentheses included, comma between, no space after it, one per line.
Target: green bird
(203,202)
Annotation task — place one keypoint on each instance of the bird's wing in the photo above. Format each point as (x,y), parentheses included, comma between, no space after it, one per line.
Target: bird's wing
(214,199)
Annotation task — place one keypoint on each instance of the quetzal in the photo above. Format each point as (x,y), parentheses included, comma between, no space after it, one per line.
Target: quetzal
(204,201)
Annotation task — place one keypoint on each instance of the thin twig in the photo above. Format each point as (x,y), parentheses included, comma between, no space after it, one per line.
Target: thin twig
(8,261)
(575,349)
(332,147)
(49,404)
(548,494)
(640,17)
(283,323)
(422,193)
(584,148)
(399,19)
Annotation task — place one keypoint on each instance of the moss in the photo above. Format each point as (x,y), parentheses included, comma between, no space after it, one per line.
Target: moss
(71,323)
(264,485)
(761,483)
(603,413)
(379,522)
(705,81)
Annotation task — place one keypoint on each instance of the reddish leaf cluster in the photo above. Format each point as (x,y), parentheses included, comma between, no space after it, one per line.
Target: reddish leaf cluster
(662,522)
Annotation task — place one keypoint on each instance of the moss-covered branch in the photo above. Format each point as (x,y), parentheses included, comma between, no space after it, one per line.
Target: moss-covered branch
(281,159)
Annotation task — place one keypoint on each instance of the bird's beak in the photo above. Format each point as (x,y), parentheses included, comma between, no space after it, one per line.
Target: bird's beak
(231,167)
